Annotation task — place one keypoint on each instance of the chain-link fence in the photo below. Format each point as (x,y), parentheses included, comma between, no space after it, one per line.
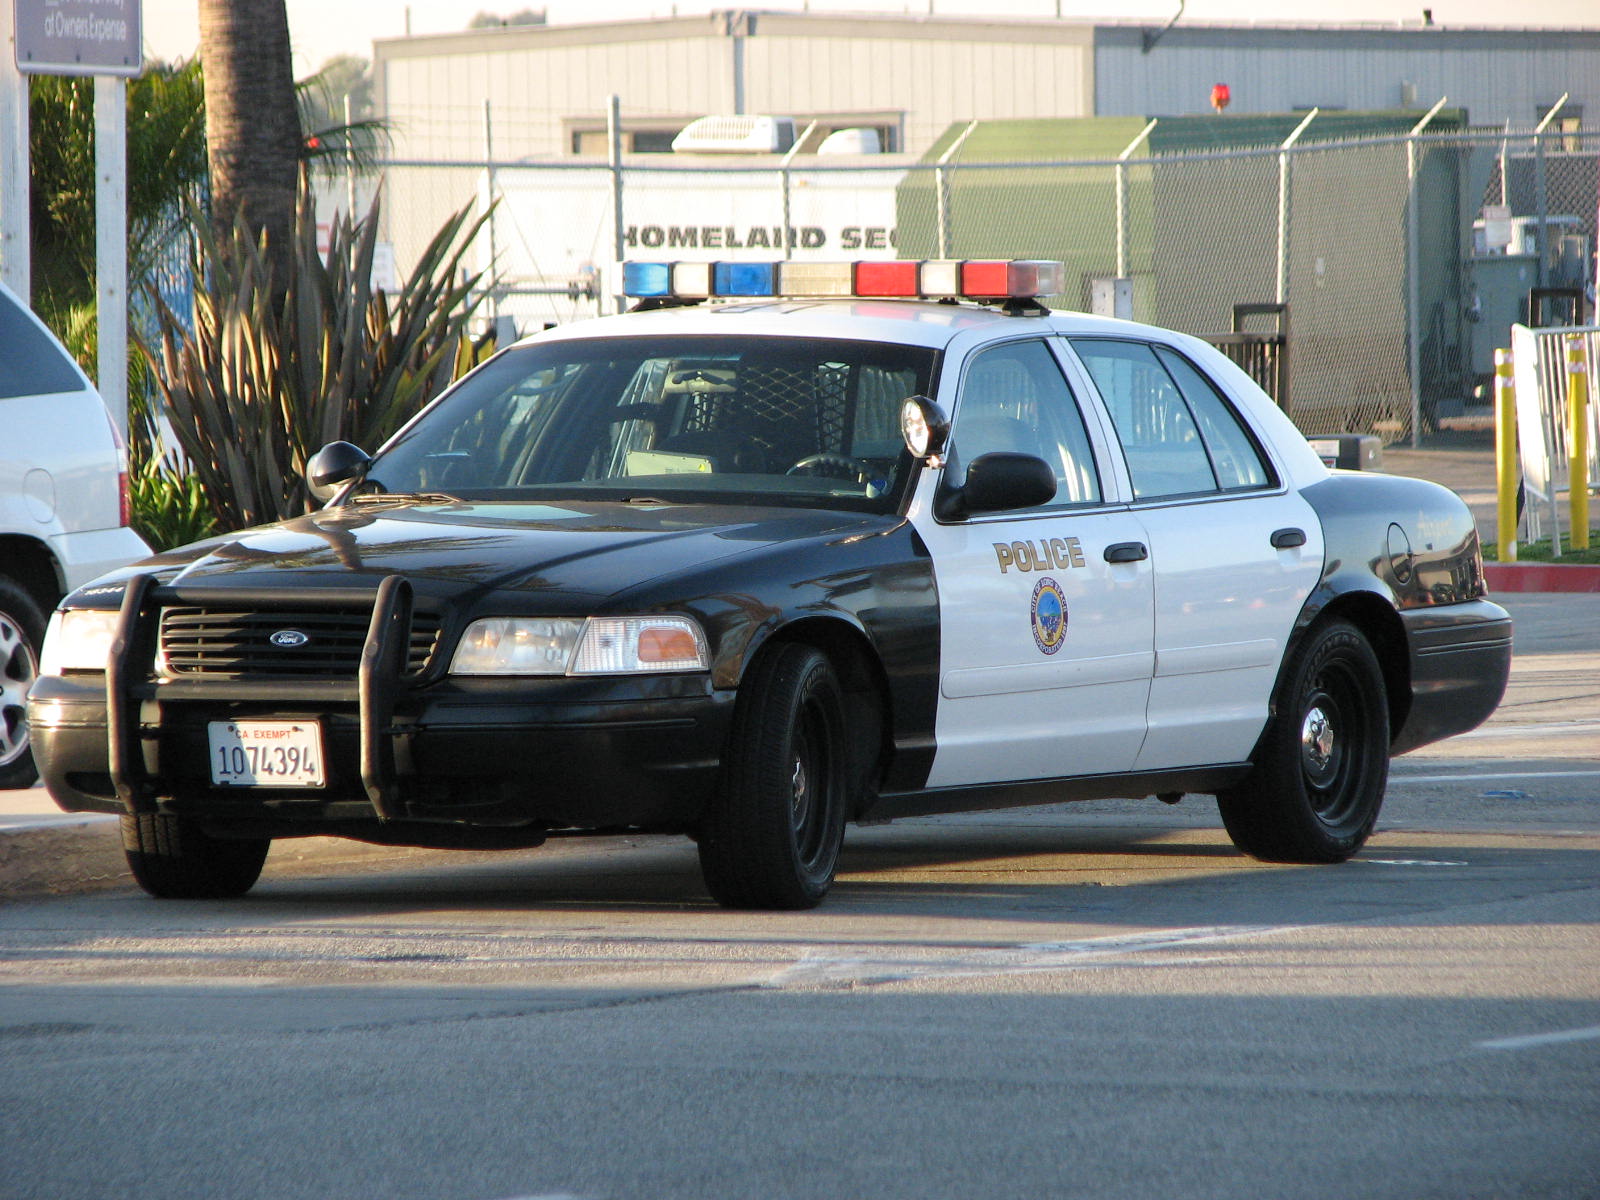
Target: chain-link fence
(1401,262)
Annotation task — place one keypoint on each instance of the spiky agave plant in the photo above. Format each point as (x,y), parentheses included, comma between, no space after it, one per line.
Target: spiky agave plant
(267,371)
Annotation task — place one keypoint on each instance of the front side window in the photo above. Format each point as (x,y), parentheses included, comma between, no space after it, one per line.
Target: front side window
(1178,434)
(1015,398)
(750,420)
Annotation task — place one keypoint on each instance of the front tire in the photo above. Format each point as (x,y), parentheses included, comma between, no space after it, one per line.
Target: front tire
(772,836)
(172,858)
(1323,763)
(21,636)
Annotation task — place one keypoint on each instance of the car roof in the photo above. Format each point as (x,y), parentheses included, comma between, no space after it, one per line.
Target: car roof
(905,322)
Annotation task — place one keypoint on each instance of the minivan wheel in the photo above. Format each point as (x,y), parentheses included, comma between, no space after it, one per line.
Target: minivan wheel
(21,636)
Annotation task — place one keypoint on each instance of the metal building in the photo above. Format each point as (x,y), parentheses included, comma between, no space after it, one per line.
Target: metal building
(908,78)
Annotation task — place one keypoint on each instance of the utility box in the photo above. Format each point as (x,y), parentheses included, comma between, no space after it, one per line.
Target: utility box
(1111,298)
(1350,451)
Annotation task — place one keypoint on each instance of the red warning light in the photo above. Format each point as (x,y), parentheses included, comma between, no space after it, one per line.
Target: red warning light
(1220,96)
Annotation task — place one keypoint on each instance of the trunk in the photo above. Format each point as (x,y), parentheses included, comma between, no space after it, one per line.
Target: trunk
(252,124)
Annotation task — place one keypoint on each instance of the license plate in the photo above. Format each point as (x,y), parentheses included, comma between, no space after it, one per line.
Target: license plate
(265,753)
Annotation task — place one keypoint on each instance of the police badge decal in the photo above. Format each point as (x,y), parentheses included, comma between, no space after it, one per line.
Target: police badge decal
(1049,615)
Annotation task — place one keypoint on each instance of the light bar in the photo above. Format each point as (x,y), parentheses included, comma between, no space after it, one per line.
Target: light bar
(989,280)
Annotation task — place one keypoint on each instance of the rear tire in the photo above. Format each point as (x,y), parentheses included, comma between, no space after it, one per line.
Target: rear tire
(772,836)
(172,858)
(1323,763)
(21,636)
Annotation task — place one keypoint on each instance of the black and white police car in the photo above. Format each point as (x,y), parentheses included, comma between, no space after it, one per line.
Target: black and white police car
(789,545)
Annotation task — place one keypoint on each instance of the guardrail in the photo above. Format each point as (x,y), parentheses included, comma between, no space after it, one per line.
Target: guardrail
(1549,431)
(1263,356)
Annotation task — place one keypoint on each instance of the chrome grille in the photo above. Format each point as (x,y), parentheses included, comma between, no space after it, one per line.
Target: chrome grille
(210,641)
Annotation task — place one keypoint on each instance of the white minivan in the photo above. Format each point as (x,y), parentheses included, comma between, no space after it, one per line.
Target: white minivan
(63,506)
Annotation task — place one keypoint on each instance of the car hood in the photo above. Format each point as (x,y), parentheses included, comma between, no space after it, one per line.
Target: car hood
(557,555)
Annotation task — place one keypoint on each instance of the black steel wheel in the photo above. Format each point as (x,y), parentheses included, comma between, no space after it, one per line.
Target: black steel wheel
(772,834)
(172,858)
(1323,763)
(21,637)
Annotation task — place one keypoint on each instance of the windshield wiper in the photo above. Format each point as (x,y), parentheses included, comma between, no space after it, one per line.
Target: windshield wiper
(403,498)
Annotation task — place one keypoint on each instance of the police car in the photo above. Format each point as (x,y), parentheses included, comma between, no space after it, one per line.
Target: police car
(785,547)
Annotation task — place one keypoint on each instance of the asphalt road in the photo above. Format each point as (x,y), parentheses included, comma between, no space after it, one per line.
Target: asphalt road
(1092,1000)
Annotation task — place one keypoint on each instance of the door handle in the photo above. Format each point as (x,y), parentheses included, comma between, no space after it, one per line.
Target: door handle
(1288,539)
(1126,552)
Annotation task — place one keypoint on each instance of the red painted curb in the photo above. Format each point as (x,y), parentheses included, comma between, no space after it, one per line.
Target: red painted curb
(1541,577)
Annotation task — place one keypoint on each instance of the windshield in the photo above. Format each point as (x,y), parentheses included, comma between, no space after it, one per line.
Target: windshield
(734,420)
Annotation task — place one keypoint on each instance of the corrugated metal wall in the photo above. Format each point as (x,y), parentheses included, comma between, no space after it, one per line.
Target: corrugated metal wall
(1497,76)
(434,90)
(939,71)
(936,72)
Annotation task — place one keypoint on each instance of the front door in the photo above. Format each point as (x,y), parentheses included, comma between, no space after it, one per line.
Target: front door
(1046,646)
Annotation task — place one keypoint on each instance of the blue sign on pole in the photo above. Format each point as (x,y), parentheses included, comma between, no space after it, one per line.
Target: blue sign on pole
(79,37)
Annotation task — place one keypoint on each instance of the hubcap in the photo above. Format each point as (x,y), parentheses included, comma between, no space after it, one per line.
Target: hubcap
(18,670)
(800,800)
(1318,746)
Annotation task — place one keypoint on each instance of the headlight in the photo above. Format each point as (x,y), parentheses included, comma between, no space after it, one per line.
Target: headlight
(78,640)
(597,646)
(627,645)
(516,646)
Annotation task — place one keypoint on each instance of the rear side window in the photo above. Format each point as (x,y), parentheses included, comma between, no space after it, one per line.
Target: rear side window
(31,364)
(1234,454)
(1178,434)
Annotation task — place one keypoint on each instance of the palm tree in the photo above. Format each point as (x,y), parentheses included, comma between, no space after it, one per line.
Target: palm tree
(252,124)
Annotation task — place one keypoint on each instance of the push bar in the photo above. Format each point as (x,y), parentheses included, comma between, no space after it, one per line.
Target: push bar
(377,679)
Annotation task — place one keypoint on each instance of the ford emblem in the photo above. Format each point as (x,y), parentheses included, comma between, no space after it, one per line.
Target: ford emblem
(288,639)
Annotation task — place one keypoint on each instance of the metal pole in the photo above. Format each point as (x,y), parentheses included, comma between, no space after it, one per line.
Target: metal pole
(1122,199)
(489,185)
(783,179)
(942,191)
(16,266)
(1283,205)
(111,242)
(1413,269)
(1505,456)
(614,144)
(1577,442)
(1541,199)
(350,161)
(1413,293)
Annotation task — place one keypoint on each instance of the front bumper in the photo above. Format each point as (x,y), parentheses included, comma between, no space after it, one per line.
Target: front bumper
(498,754)
(1460,660)
(508,757)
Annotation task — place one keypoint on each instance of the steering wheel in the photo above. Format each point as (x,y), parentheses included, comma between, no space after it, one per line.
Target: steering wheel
(830,466)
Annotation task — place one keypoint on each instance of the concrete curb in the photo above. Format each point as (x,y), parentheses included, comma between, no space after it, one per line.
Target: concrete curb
(59,856)
(1541,577)
(72,853)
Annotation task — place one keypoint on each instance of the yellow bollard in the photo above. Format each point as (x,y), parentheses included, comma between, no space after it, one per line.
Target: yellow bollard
(1505,455)
(1578,440)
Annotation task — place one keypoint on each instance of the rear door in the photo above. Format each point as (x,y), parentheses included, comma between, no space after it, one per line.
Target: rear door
(1235,552)
(1046,647)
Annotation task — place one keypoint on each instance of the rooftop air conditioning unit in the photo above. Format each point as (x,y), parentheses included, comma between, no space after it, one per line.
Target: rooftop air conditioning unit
(735,135)
(852,141)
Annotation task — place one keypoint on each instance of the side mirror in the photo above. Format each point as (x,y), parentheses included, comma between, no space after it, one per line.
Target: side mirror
(999,482)
(925,427)
(335,465)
